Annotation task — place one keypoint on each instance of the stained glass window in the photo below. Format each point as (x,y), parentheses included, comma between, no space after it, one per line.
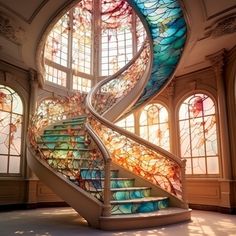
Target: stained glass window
(127,123)
(198,135)
(92,40)
(116,35)
(154,125)
(11,116)
(68,49)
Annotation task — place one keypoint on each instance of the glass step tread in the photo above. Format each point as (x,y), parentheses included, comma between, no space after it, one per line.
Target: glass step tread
(139,200)
(59,129)
(62,135)
(66,149)
(61,142)
(125,189)
(110,178)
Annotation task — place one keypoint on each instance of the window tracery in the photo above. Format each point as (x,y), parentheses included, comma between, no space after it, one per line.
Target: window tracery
(198,135)
(11,118)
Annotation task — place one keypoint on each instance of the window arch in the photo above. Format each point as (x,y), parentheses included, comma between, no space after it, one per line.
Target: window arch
(11,113)
(127,123)
(154,125)
(93,39)
(198,135)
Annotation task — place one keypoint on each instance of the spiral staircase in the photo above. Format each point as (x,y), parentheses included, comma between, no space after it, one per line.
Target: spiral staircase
(111,177)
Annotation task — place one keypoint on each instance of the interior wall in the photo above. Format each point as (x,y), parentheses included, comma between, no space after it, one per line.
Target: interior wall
(213,193)
(230,82)
(24,189)
(210,193)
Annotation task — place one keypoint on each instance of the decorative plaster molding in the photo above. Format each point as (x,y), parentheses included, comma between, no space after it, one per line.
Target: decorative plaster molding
(217,59)
(10,30)
(226,25)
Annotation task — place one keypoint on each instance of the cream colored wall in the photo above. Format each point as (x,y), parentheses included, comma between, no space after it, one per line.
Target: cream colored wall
(230,81)
(216,192)
(25,188)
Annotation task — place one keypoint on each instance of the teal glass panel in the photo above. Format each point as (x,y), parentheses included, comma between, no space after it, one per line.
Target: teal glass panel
(168,31)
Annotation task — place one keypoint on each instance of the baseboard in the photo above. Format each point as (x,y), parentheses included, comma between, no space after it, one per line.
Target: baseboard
(220,209)
(25,206)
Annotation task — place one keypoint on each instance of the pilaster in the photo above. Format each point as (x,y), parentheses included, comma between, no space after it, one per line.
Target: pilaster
(217,62)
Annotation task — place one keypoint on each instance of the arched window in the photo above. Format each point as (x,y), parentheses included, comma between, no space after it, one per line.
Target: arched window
(198,135)
(11,116)
(154,125)
(93,39)
(127,123)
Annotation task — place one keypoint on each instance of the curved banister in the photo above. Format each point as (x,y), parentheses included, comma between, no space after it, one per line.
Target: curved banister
(107,92)
(159,166)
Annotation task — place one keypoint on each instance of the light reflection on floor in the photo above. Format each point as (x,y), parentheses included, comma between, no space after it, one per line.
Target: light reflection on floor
(66,222)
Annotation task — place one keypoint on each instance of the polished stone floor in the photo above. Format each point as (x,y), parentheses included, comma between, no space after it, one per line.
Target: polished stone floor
(66,222)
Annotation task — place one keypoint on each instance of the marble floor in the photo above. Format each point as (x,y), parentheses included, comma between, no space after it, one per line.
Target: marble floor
(64,221)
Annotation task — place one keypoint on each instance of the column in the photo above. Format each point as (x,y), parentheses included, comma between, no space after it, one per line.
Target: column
(217,64)
(225,183)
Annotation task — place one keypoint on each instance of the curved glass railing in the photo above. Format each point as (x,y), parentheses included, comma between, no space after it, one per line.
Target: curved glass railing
(166,32)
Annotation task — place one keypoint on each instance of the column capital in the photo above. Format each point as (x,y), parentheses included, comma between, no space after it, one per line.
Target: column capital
(170,89)
(217,59)
(32,75)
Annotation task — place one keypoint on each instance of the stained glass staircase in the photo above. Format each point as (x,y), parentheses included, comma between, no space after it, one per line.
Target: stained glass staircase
(66,151)
(111,177)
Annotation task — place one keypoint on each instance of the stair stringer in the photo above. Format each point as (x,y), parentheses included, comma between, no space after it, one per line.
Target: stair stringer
(76,197)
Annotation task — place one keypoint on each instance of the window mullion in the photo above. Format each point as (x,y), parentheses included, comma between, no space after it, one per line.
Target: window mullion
(96,38)
(70,52)
(134,34)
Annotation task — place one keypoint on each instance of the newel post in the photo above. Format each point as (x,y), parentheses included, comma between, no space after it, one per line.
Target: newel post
(107,189)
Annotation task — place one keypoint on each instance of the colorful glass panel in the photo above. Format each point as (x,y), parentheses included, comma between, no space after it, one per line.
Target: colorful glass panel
(11,116)
(198,135)
(116,35)
(81,37)
(154,125)
(168,31)
(88,44)
(68,48)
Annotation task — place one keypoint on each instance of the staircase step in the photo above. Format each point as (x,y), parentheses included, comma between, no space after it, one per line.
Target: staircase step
(141,205)
(62,145)
(169,215)
(119,194)
(66,149)
(73,164)
(115,182)
(60,138)
(69,131)
(82,153)
(75,120)
(96,173)
(71,126)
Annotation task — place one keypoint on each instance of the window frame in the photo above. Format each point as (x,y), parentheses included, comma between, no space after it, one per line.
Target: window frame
(160,103)
(22,138)
(216,114)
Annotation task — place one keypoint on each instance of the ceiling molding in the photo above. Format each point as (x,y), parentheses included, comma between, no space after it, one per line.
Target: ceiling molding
(10,29)
(33,15)
(221,12)
(223,26)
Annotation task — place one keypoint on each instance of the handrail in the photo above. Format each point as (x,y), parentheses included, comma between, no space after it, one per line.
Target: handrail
(170,176)
(126,82)
(46,118)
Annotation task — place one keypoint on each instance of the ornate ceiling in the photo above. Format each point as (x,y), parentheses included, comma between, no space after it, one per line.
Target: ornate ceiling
(212,27)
